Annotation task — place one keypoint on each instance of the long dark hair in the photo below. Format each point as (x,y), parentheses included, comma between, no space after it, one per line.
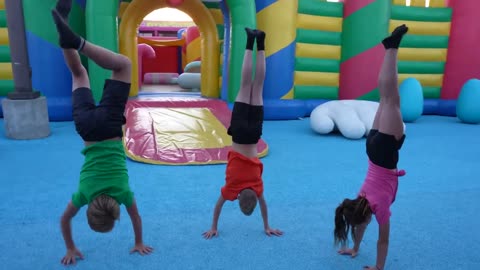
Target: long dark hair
(350,213)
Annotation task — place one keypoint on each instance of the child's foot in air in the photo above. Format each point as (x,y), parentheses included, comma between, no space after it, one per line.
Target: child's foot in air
(393,41)
(260,35)
(63,7)
(67,38)
(250,38)
(250,32)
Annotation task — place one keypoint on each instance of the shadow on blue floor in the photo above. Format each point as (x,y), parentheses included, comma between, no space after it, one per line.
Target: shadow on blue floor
(435,217)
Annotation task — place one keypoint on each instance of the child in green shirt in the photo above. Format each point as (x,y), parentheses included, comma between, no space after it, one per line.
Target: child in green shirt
(104,176)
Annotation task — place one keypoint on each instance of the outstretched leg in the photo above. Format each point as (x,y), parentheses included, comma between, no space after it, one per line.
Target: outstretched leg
(388,118)
(71,56)
(257,88)
(244,141)
(246,82)
(256,112)
(119,64)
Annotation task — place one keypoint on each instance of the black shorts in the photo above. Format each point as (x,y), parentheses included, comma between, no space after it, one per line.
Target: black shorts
(97,123)
(382,149)
(247,123)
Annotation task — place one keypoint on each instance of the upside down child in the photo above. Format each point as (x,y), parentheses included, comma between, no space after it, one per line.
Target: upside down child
(244,168)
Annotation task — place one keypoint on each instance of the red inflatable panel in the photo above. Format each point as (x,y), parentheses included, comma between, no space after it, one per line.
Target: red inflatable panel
(179,131)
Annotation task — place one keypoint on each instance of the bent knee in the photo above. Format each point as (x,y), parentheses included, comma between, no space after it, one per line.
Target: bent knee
(124,62)
(80,78)
(124,70)
(79,72)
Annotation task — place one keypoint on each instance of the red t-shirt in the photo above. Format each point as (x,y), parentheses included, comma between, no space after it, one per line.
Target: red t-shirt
(242,172)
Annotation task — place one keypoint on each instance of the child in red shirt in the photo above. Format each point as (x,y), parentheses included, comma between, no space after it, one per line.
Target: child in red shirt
(381,183)
(244,169)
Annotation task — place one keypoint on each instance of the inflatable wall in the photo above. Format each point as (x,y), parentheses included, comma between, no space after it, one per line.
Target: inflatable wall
(316,50)
(6,74)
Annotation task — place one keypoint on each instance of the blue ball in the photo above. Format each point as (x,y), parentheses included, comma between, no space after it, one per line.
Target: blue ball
(411,99)
(468,103)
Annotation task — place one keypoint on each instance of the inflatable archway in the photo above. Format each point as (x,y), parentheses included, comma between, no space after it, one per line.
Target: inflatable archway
(138,9)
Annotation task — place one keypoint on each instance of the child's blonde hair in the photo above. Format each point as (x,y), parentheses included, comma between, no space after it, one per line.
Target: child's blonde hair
(248,201)
(102,213)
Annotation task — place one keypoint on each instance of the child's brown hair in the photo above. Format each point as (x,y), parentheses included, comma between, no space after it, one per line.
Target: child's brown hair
(248,201)
(350,213)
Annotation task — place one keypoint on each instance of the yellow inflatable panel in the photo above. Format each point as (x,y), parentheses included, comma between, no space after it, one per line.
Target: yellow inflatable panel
(289,95)
(194,52)
(311,22)
(182,132)
(437,3)
(217,15)
(6,72)
(4,36)
(2,4)
(317,78)
(400,2)
(281,33)
(426,80)
(153,42)
(423,28)
(121,9)
(318,51)
(417,3)
(416,54)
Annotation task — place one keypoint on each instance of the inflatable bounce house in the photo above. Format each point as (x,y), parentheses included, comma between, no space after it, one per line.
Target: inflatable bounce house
(169,54)
(317,52)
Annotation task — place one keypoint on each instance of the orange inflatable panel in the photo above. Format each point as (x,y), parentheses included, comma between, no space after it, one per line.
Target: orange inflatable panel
(179,131)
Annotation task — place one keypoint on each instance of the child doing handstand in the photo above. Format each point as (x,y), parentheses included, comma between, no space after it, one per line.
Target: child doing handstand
(104,176)
(383,144)
(244,168)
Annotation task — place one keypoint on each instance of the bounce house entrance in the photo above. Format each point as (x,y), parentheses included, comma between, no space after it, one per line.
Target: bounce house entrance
(138,48)
(169,53)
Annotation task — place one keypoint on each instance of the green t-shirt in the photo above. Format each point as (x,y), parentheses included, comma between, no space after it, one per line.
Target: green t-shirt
(104,172)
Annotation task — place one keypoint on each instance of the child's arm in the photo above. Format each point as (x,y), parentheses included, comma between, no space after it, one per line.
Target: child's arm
(216,214)
(65,223)
(263,209)
(382,247)
(359,232)
(137,228)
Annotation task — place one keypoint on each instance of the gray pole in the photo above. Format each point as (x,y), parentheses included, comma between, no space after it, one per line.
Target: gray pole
(22,73)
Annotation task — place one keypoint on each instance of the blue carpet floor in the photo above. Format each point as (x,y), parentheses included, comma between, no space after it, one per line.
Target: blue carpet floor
(435,220)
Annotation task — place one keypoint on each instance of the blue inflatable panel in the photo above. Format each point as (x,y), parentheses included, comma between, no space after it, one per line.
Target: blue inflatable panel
(82,3)
(261,4)
(442,107)
(1,109)
(280,109)
(277,81)
(448,107)
(311,104)
(430,106)
(51,77)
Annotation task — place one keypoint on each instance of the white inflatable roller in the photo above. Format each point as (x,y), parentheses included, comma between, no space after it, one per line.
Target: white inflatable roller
(160,78)
(352,118)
